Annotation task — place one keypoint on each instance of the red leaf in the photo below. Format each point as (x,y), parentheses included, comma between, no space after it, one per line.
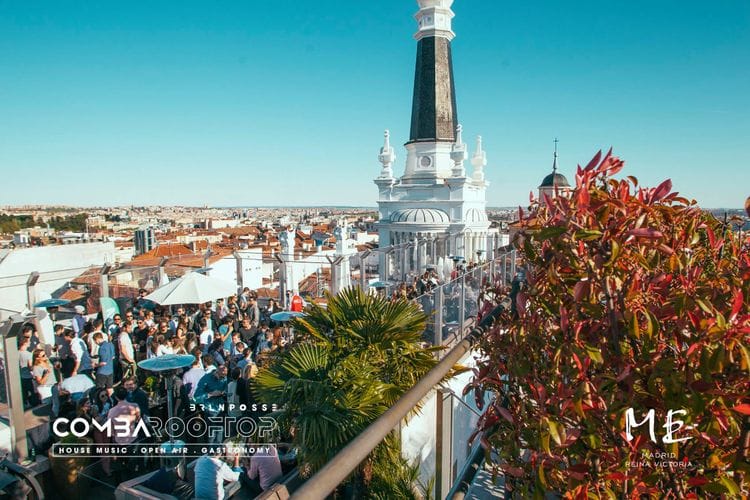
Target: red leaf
(622,376)
(521,299)
(582,468)
(645,232)
(594,161)
(662,190)
(505,414)
(696,322)
(743,408)
(697,481)
(711,237)
(736,305)
(583,198)
(701,386)
(579,364)
(513,471)
(615,476)
(666,249)
(692,349)
(578,476)
(580,290)
(563,318)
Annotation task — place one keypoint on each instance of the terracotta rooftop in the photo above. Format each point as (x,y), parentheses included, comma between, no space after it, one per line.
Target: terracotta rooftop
(166,250)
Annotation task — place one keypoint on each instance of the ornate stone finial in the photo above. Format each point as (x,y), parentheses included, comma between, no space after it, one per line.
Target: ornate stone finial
(479,161)
(387,156)
(458,154)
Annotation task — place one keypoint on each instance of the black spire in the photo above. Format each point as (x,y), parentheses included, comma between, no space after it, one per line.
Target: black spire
(433,113)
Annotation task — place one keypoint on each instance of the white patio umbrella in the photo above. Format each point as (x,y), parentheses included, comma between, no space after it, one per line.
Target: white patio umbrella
(192,288)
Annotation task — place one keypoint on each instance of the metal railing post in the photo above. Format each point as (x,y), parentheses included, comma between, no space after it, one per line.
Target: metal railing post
(439,301)
(443,443)
(31,282)
(282,281)
(31,290)
(462,306)
(362,271)
(418,255)
(239,271)
(104,280)
(9,332)
(503,269)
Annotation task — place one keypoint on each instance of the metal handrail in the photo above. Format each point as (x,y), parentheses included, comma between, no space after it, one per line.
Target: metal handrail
(346,460)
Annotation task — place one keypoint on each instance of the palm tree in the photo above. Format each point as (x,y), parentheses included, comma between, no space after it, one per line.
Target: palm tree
(351,362)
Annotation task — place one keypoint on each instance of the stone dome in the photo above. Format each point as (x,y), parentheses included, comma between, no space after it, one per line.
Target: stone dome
(555,179)
(420,216)
(476,215)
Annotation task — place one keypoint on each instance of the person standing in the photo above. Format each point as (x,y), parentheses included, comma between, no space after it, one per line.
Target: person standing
(206,337)
(25,359)
(80,354)
(139,338)
(210,474)
(43,376)
(211,392)
(194,375)
(297,304)
(127,351)
(105,368)
(252,312)
(79,321)
(126,414)
(136,395)
(114,329)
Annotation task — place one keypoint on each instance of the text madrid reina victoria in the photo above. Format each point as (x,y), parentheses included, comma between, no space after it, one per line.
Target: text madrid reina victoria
(126,436)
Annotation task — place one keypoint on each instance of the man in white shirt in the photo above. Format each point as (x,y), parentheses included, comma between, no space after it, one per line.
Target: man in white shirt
(80,354)
(207,336)
(127,351)
(194,375)
(76,385)
(210,474)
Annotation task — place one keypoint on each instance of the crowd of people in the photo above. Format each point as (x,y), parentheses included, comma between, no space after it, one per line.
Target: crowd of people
(91,371)
(418,285)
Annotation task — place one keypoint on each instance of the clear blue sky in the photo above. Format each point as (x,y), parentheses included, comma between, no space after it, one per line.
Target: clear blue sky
(284,102)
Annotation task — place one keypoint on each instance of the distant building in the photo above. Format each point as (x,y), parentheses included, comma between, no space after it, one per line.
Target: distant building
(555,183)
(144,240)
(21,238)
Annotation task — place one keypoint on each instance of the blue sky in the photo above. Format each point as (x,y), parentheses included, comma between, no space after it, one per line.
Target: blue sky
(285,102)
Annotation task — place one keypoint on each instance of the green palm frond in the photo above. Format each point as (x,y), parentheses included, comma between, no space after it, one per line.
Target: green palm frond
(353,361)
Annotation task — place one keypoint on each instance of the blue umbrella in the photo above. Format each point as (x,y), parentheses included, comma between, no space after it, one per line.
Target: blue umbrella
(167,362)
(52,303)
(284,316)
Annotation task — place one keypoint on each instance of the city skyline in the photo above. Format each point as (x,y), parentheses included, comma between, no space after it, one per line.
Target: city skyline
(241,107)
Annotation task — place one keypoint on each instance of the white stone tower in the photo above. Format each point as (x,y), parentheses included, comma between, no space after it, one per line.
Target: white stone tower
(434,211)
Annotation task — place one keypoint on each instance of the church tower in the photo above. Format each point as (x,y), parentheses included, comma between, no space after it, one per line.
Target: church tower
(434,211)
(555,183)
